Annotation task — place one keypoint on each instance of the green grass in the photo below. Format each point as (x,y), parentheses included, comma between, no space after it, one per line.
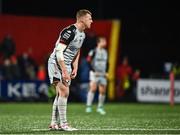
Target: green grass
(24,118)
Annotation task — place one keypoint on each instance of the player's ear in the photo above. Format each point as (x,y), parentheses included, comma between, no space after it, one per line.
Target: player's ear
(81,20)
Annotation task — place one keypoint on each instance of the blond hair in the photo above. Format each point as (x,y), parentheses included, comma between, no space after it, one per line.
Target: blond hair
(82,12)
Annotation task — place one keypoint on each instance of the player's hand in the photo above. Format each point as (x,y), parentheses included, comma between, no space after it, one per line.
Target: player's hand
(97,74)
(74,73)
(65,77)
(106,75)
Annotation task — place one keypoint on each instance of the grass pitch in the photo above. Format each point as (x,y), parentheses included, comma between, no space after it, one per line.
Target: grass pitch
(121,118)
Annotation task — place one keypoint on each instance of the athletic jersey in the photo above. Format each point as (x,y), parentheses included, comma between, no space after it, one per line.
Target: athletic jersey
(99,60)
(71,37)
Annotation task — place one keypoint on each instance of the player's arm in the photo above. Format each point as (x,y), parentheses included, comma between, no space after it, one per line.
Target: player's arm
(90,58)
(75,65)
(65,38)
(60,58)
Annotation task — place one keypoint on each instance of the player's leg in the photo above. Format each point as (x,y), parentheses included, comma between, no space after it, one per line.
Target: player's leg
(102,95)
(91,92)
(90,96)
(62,101)
(55,114)
(63,92)
(62,106)
(54,117)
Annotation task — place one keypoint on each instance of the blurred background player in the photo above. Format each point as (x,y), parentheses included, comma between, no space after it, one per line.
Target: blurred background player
(65,54)
(98,60)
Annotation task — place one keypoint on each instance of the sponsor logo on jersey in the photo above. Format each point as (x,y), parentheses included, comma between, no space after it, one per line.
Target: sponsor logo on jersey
(68,31)
(66,35)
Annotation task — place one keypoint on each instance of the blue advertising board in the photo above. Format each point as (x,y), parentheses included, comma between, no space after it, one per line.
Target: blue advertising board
(23,90)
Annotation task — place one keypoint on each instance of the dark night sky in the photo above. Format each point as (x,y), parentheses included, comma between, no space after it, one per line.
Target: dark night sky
(150,30)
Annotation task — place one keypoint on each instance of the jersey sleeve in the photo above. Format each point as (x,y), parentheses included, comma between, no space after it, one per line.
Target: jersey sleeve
(66,36)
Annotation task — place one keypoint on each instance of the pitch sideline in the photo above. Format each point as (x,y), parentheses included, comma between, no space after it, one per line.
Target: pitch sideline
(116,129)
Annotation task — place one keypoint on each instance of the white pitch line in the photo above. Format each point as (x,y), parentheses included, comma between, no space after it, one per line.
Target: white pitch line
(45,129)
(116,129)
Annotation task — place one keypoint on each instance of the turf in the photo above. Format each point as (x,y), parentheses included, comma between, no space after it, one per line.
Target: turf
(121,118)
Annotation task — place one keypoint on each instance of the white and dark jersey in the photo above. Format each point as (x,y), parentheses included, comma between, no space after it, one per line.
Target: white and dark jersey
(71,37)
(99,60)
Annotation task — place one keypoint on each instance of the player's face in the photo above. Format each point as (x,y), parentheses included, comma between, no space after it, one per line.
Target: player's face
(102,43)
(87,20)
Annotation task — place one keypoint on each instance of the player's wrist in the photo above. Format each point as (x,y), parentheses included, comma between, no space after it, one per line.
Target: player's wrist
(64,70)
(75,68)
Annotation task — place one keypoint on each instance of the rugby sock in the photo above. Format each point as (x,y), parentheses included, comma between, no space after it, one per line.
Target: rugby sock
(90,97)
(101,100)
(54,111)
(62,108)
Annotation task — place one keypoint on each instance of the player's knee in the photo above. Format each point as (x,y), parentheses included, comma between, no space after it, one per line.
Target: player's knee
(63,93)
(66,94)
(93,88)
(102,92)
(62,90)
(102,89)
